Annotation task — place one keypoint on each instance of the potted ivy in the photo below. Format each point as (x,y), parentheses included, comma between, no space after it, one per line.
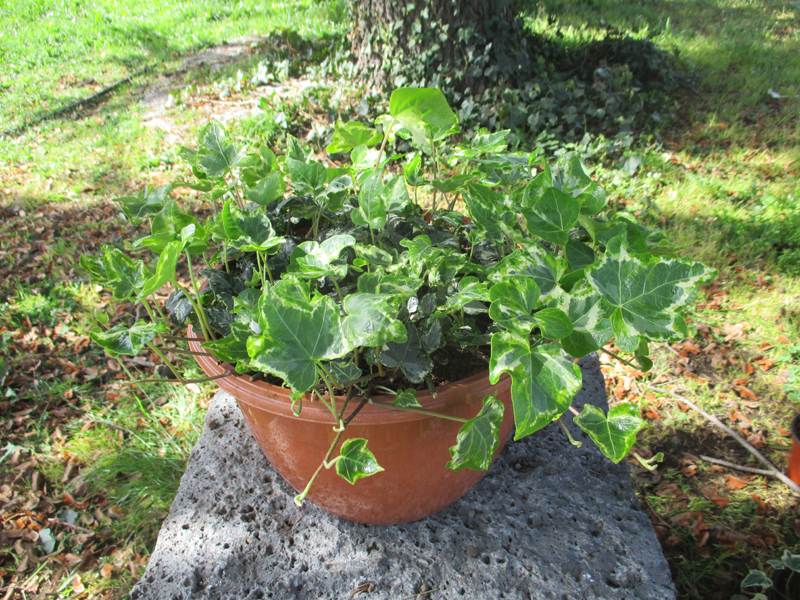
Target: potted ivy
(382,352)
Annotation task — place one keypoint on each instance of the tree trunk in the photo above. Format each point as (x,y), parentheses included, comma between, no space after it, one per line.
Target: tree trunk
(460,45)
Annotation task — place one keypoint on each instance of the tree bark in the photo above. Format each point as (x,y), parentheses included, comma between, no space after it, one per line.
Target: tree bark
(463,45)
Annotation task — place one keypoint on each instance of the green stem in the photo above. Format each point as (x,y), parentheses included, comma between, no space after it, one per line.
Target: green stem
(298,499)
(425,412)
(194,304)
(378,360)
(569,435)
(339,290)
(202,314)
(435,176)
(158,309)
(167,362)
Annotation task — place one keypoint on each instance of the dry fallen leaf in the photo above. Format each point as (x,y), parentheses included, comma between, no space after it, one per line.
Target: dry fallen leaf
(77,585)
(746,392)
(784,340)
(734,483)
(783,432)
(106,570)
(748,368)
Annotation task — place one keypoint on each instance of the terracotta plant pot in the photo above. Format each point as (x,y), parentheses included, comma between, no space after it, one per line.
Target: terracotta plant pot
(412,448)
(794,460)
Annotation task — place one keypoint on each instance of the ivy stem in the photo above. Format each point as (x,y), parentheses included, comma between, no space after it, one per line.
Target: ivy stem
(158,309)
(167,362)
(202,314)
(328,378)
(573,410)
(378,360)
(338,289)
(620,359)
(298,499)
(203,324)
(170,381)
(435,176)
(383,144)
(569,435)
(424,412)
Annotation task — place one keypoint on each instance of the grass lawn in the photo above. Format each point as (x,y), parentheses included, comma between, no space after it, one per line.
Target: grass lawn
(90,464)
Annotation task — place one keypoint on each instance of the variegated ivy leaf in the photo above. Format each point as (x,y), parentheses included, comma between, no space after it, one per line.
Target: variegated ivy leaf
(308,179)
(406,399)
(590,314)
(409,356)
(124,277)
(295,336)
(421,255)
(348,135)
(344,371)
(356,461)
(165,268)
(573,179)
(535,262)
(424,113)
(396,196)
(218,156)
(553,323)
(615,434)
(646,293)
(551,215)
(470,289)
(488,212)
(127,340)
(543,382)
(232,348)
(371,321)
(396,285)
(512,304)
(478,438)
(249,231)
(312,260)
(371,210)
(268,189)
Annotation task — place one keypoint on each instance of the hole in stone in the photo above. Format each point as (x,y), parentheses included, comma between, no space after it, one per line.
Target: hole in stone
(486,560)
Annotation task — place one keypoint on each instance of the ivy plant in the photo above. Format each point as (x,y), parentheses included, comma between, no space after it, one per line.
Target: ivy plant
(354,279)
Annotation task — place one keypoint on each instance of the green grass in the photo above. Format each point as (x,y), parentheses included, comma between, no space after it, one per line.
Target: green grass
(50,47)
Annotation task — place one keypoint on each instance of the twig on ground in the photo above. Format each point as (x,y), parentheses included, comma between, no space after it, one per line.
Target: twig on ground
(731,465)
(620,359)
(715,421)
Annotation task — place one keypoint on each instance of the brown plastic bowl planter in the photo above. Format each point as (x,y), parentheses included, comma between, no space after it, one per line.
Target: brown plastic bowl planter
(412,448)
(794,460)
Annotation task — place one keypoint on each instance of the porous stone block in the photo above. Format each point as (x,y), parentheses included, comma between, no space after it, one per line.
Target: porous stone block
(549,521)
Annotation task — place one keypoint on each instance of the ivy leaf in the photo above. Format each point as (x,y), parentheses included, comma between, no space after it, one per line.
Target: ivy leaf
(406,399)
(543,382)
(218,156)
(590,314)
(344,371)
(355,461)
(295,335)
(348,136)
(452,184)
(307,178)
(512,304)
(646,293)
(550,216)
(478,438)
(233,347)
(554,323)
(535,262)
(370,320)
(312,260)
(424,113)
(757,579)
(579,254)
(179,307)
(469,290)
(247,230)
(573,179)
(125,278)
(486,208)
(408,355)
(127,340)
(396,196)
(615,434)
(165,269)
(269,189)
(371,209)
(412,172)
(396,285)
(433,339)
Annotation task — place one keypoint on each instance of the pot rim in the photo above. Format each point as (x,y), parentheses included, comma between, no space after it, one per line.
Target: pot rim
(795,429)
(275,399)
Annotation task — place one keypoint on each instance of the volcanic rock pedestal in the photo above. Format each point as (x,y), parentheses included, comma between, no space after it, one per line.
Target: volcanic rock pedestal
(549,521)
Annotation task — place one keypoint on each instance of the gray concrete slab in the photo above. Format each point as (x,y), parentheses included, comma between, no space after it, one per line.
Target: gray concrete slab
(548,521)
